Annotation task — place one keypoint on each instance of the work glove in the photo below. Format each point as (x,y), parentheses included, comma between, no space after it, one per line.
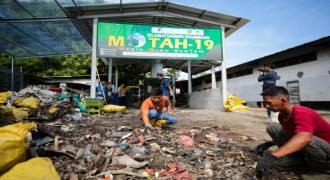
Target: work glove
(149,126)
(265,165)
(263,147)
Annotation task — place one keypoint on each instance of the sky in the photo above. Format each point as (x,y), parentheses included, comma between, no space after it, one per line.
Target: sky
(275,25)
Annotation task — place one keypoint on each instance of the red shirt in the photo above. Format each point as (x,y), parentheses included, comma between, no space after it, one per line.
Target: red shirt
(303,119)
(148,104)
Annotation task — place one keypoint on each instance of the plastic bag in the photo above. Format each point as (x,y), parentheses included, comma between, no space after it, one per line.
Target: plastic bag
(52,110)
(114,108)
(234,103)
(36,168)
(13,145)
(3,97)
(17,113)
(27,102)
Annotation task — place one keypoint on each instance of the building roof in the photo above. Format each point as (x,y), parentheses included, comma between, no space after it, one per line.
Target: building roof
(59,27)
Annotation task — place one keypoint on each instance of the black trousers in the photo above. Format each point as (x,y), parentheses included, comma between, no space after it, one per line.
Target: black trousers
(122,101)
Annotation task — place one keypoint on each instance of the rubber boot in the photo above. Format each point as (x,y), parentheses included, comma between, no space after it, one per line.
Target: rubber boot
(153,122)
(161,122)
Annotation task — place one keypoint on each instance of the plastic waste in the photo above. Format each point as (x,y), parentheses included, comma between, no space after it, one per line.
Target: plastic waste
(208,167)
(274,116)
(36,168)
(141,150)
(118,115)
(234,103)
(85,154)
(44,140)
(27,102)
(127,161)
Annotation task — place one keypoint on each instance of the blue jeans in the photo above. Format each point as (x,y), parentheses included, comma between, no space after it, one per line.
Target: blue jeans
(153,114)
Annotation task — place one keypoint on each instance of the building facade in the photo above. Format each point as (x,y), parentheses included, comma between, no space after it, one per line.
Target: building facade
(304,70)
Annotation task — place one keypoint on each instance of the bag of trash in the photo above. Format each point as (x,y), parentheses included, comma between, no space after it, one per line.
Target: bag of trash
(36,168)
(12,112)
(13,145)
(3,97)
(52,110)
(27,102)
(234,103)
(114,108)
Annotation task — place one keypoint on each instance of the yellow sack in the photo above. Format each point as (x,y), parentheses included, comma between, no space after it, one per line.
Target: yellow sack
(27,102)
(3,97)
(114,108)
(12,112)
(12,144)
(234,103)
(40,168)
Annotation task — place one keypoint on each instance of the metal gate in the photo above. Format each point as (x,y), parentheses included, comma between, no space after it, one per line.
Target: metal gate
(293,88)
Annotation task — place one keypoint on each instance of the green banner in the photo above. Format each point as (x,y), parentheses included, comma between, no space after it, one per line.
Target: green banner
(158,42)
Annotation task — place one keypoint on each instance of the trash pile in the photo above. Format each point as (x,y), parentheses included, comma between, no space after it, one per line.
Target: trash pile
(36,104)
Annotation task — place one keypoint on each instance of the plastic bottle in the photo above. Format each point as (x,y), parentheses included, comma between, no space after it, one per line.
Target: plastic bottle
(140,150)
(208,169)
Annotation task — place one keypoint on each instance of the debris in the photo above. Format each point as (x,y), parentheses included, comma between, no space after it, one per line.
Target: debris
(127,161)
(118,115)
(186,140)
(44,140)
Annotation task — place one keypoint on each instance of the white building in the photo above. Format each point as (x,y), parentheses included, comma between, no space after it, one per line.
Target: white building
(304,70)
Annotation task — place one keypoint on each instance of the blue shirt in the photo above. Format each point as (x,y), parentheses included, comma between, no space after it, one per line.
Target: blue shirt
(99,93)
(269,78)
(164,85)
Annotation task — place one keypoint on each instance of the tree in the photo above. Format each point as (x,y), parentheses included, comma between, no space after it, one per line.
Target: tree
(169,72)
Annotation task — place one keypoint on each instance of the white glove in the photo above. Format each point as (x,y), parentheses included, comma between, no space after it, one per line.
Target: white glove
(149,126)
(171,93)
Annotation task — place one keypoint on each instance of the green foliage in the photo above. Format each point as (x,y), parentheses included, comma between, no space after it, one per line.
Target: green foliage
(169,73)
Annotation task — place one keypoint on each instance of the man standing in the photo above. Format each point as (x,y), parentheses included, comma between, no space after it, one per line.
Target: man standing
(151,112)
(101,89)
(302,136)
(268,76)
(165,85)
(122,95)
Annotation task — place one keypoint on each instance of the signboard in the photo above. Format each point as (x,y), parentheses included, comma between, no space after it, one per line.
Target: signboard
(158,42)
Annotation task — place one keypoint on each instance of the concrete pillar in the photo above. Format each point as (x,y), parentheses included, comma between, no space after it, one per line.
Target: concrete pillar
(116,89)
(110,71)
(12,74)
(93,68)
(173,82)
(156,67)
(223,68)
(189,77)
(213,78)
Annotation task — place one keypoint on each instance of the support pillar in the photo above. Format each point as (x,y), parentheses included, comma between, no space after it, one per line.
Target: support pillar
(110,71)
(189,77)
(214,85)
(156,67)
(173,82)
(116,76)
(12,74)
(93,68)
(223,68)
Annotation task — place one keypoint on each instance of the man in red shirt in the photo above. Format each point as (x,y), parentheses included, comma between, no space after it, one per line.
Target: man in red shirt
(151,111)
(302,136)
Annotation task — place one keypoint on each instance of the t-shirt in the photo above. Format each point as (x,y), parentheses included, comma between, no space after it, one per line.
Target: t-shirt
(148,104)
(303,119)
(100,86)
(122,92)
(164,86)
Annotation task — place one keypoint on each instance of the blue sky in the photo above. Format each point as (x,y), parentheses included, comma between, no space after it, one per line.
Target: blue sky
(275,25)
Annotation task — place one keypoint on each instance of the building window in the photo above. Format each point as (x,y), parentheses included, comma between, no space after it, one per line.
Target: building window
(240,73)
(197,83)
(207,81)
(296,60)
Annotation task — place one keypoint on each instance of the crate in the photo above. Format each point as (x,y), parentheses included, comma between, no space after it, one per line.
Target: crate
(94,105)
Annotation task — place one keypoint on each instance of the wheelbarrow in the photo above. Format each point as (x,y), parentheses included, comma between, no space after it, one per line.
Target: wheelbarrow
(94,105)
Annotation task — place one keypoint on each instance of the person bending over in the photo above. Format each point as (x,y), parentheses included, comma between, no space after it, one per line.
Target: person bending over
(302,137)
(152,110)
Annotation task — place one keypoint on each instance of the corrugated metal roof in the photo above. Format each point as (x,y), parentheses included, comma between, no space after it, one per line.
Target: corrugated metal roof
(60,27)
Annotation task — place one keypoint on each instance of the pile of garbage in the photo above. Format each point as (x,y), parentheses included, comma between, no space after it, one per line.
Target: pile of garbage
(35,104)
